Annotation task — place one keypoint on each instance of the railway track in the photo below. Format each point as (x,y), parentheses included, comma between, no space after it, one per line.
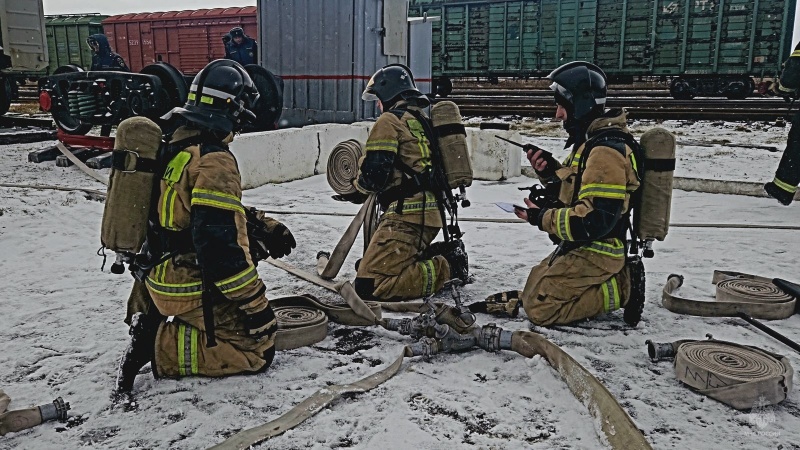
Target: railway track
(641,104)
(23,129)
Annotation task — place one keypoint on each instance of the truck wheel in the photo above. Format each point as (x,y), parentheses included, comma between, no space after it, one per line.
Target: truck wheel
(442,86)
(269,107)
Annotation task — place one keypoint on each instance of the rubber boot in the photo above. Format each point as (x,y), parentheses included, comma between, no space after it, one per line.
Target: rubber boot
(140,351)
(779,194)
(635,305)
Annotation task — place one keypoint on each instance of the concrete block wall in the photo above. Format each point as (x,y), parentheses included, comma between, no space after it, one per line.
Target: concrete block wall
(295,153)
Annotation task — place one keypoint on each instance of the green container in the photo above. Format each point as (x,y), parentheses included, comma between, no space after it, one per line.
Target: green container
(66,39)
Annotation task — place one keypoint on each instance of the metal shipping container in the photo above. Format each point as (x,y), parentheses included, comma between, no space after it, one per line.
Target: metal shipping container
(66,39)
(23,44)
(187,40)
(326,51)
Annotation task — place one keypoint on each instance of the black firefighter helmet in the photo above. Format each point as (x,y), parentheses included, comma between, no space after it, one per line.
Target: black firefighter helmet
(580,87)
(221,98)
(392,83)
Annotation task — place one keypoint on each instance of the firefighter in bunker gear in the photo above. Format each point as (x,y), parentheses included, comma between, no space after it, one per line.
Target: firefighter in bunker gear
(220,320)
(783,187)
(587,274)
(399,262)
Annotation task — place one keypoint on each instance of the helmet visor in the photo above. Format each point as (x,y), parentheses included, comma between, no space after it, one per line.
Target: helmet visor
(368,94)
(561,91)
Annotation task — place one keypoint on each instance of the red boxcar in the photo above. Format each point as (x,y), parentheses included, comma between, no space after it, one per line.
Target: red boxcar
(186,39)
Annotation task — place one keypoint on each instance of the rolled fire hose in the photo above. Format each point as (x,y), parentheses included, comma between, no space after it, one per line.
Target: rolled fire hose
(617,427)
(741,376)
(342,170)
(343,166)
(736,293)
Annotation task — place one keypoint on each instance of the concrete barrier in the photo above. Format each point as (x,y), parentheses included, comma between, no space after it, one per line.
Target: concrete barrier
(295,153)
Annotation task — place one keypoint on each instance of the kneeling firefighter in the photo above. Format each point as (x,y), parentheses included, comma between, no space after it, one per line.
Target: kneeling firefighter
(400,164)
(587,215)
(199,265)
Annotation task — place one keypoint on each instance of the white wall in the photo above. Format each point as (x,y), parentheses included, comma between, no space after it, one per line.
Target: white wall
(295,153)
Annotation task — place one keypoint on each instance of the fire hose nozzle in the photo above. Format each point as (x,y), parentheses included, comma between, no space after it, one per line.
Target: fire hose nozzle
(659,351)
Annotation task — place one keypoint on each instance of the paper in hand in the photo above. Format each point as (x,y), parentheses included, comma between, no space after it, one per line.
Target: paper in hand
(508,207)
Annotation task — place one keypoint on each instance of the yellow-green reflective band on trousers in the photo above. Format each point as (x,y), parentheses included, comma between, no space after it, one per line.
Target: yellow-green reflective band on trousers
(785,186)
(610,295)
(187,350)
(562,224)
(168,208)
(613,191)
(175,290)
(429,276)
(388,145)
(237,281)
(417,206)
(216,199)
(615,248)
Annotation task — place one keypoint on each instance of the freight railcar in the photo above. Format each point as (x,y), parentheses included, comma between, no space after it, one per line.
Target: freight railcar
(188,40)
(704,47)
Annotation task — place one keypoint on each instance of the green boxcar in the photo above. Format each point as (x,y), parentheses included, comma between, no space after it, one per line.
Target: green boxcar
(66,39)
(628,38)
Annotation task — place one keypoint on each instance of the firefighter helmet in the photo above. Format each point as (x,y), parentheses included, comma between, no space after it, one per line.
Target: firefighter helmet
(580,87)
(391,82)
(221,98)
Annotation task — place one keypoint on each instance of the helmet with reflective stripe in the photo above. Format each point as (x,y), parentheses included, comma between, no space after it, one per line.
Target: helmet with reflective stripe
(221,98)
(391,83)
(580,87)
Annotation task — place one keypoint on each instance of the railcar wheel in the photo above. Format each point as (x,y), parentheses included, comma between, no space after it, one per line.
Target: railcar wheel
(681,90)
(5,95)
(62,117)
(173,86)
(269,107)
(442,86)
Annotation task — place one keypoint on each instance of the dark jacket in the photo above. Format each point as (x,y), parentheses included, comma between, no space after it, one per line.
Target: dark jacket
(244,53)
(104,58)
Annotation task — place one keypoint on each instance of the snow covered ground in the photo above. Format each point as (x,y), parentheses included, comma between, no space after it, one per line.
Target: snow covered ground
(62,332)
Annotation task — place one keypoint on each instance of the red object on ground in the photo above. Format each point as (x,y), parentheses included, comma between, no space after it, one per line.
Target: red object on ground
(187,40)
(79,140)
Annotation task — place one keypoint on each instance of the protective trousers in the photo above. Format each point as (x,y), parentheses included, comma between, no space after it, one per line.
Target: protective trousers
(181,350)
(787,177)
(575,287)
(392,269)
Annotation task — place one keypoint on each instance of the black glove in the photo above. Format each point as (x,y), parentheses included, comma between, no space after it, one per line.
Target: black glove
(259,318)
(280,242)
(356,197)
(550,170)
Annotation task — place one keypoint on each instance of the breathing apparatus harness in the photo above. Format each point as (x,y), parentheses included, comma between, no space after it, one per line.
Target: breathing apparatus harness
(433,180)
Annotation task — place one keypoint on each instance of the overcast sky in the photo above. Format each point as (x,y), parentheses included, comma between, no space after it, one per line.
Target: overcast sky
(112,7)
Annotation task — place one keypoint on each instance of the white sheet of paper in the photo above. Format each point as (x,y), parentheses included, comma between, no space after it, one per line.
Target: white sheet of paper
(507,207)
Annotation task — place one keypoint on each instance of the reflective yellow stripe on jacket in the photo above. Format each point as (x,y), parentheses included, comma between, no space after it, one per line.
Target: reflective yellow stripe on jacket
(216,199)
(613,191)
(416,206)
(226,286)
(615,248)
(388,145)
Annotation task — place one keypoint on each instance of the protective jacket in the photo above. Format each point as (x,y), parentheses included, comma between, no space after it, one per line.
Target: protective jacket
(104,58)
(244,53)
(392,268)
(200,207)
(587,275)
(397,139)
